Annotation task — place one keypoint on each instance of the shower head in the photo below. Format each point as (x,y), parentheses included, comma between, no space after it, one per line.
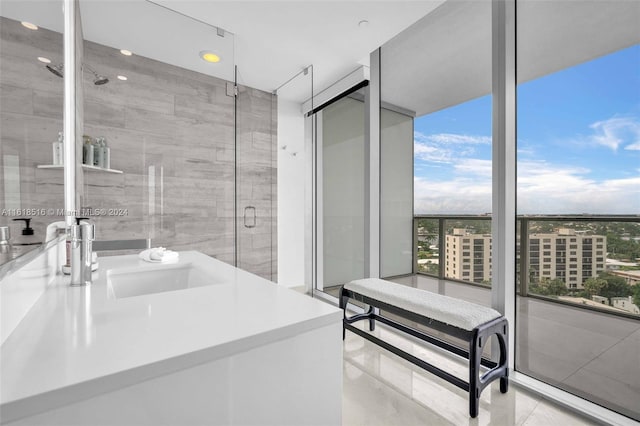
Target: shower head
(59,71)
(56,69)
(100,80)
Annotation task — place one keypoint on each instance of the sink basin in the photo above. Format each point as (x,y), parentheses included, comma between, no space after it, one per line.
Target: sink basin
(137,282)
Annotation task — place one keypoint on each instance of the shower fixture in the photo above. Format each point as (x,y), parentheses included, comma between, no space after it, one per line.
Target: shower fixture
(99,79)
(58,70)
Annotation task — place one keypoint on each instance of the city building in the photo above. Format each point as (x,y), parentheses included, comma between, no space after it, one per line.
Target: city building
(468,256)
(625,303)
(631,277)
(565,254)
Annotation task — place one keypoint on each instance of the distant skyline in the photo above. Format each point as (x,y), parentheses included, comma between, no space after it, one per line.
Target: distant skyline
(578,145)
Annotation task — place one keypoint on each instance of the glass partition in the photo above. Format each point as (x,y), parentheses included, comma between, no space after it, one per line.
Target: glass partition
(579,198)
(341,160)
(31,109)
(159,126)
(256,174)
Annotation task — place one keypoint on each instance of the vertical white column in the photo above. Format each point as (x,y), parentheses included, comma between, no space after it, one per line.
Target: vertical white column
(504,162)
(70,135)
(372,170)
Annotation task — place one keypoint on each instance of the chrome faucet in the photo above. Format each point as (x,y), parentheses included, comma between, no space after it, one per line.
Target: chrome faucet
(82,236)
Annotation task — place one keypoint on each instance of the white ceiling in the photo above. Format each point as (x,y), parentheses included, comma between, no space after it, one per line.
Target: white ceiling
(276,39)
(270,41)
(441,60)
(445,58)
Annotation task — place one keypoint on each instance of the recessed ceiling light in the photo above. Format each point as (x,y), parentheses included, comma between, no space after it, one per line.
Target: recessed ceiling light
(122,77)
(126,52)
(209,56)
(363,24)
(29,25)
(44,60)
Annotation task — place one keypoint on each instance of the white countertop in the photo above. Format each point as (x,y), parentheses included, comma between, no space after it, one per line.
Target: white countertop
(79,341)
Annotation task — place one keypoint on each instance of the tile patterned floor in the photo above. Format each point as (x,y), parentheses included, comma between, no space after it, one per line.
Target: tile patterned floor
(381,389)
(590,354)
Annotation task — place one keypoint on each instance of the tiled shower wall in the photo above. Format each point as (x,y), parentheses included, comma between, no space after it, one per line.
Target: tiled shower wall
(171,132)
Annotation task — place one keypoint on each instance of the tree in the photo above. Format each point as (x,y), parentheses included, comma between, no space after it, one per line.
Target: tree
(557,287)
(636,295)
(593,286)
(615,287)
(546,287)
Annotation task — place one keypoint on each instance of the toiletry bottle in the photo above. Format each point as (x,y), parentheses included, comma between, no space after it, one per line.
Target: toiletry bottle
(99,153)
(6,252)
(58,156)
(87,150)
(106,152)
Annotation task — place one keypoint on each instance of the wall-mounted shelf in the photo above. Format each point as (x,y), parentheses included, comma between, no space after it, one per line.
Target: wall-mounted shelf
(84,166)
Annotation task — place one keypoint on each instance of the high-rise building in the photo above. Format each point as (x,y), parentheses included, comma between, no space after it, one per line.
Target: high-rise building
(568,255)
(468,256)
(565,254)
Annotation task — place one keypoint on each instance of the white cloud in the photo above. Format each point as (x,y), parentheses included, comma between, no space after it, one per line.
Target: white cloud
(446,147)
(633,147)
(542,188)
(452,138)
(460,195)
(616,132)
(474,167)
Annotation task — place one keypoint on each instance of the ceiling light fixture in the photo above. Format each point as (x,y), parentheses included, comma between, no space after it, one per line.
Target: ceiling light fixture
(29,25)
(363,24)
(209,56)
(126,52)
(122,77)
(44,60)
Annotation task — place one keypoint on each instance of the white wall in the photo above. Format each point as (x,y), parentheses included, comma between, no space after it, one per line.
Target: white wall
(291,192)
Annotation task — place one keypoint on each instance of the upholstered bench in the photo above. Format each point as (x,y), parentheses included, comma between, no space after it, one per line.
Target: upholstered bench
(472,323)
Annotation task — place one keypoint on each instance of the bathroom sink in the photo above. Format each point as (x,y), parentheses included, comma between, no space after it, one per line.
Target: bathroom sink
(159,279)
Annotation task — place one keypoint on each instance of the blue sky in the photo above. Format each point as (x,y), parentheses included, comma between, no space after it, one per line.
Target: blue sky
(578,145)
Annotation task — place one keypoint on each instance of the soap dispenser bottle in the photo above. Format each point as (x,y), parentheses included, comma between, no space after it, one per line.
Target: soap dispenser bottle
(27,240)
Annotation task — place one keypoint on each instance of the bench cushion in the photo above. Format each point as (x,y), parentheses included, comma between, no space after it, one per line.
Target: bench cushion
(456,312)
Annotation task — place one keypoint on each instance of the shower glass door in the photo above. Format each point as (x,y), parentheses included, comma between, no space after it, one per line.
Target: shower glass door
(168,120)
(255,181)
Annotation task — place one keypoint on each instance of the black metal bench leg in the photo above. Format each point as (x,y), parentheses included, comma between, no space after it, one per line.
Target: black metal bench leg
(343,305)
(475,353)
(372,322)
(502,342)
(504,384)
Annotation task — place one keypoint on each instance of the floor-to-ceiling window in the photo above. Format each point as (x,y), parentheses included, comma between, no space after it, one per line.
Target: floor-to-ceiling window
(578,195)
(446,84)
(577,180)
